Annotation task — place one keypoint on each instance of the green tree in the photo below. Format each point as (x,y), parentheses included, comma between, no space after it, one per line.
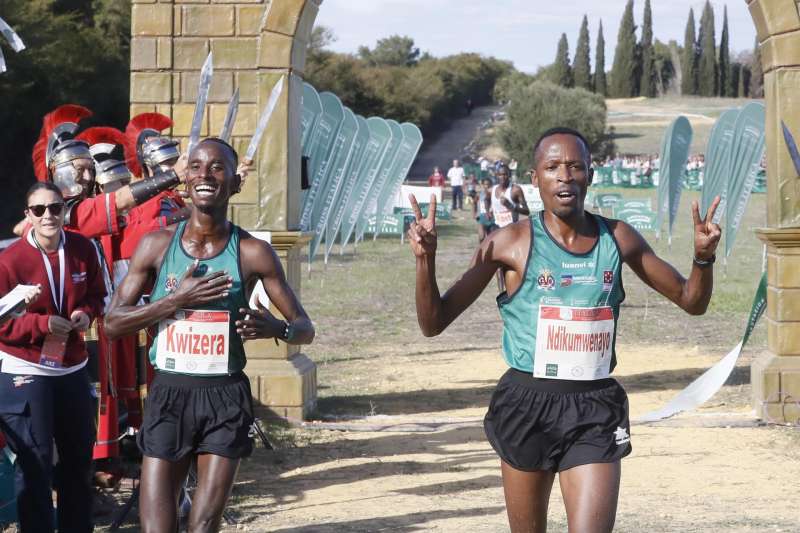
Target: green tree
(562,72)
(707,70)
(581,67)
(689,59)
(541,105)
(664,66)
(76,52)
(599,81)
(647,85)
(726,87)
(396,50)
(745,77)
(736,74)
(756,85)
(623,83)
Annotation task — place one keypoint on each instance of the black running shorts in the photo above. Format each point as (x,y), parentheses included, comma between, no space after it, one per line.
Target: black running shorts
(197,414)
(545,424)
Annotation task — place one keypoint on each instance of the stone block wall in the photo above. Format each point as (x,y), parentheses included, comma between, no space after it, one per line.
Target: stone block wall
(254,42)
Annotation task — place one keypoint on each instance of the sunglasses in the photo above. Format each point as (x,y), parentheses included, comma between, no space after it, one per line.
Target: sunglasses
(55,209)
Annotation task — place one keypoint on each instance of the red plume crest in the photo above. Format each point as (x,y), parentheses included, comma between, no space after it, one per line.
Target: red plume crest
(103,134)
(153,121)
(65,113)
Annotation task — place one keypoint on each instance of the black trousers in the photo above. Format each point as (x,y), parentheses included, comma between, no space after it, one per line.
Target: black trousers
(34,412)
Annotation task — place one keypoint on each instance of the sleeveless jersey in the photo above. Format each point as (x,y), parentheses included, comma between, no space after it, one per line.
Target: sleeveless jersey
(176,261)
(503,216)
(557,279)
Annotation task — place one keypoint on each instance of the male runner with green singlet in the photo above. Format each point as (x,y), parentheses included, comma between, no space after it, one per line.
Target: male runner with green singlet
(556,410)
(199,403)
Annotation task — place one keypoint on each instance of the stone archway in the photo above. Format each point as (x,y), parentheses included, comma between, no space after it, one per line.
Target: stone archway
(776,373)
(254,42)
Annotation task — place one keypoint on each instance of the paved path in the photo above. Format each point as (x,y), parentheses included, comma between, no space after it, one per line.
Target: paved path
(449,144)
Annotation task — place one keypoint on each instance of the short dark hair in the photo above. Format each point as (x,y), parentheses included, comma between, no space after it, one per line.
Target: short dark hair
(561,130)
(43,185)
(230,148)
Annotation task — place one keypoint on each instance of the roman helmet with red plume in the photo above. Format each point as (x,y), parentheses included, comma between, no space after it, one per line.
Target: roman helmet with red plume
(57,148)
(107,146)
(146,149)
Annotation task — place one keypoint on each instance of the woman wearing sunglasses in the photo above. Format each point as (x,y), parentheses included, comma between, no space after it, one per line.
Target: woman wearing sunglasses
(44,386)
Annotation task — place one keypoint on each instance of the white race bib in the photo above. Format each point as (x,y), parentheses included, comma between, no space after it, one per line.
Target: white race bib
(504,218)
(574,343)
(194,342)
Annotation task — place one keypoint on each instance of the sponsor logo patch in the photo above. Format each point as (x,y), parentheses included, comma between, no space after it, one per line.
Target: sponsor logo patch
(171,283)
(621,436)
(546,281)
(566,280)
(608,280)
(19,381)
(80,277)
(170,364)
(551,370)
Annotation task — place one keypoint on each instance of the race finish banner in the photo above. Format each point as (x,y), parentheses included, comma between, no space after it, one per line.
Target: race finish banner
(748,149)
(381,177)
(708,384)
(352,174)
(718,156)
(323,149)
(412,140)
(340,158)
(309,114)
(380,137)
(674,154)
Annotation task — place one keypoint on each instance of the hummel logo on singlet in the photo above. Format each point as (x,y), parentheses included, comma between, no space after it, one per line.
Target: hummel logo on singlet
(621,436)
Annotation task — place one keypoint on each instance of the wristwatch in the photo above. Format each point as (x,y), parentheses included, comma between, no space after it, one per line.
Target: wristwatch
(704,262)
(288,332)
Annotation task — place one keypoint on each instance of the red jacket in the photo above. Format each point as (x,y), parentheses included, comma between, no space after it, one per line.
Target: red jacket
(142,219)
(96,216)
(21,263)
(436,180)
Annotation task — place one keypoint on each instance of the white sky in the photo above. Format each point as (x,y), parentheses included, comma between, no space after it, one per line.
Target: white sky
(523,31)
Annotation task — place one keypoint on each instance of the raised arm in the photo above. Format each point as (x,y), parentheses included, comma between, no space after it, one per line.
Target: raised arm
(259,261)
(436,312)
(692,295)
(125,317)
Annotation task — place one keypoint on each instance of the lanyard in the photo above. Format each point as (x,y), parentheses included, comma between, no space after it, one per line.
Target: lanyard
(60,302)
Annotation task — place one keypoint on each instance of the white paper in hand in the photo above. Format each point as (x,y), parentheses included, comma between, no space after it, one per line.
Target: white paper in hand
(259,294)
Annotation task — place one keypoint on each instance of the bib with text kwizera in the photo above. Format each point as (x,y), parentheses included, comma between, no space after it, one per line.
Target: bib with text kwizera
(194,342)
(574,343)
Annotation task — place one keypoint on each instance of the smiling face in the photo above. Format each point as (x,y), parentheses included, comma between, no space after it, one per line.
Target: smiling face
(563,172)
(47,225)
(212,178)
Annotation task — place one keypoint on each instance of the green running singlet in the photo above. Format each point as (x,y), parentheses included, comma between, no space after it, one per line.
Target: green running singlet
(176,262)
(557,277)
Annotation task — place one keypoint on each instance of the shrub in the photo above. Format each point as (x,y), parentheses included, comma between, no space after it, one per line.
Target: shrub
(539,106)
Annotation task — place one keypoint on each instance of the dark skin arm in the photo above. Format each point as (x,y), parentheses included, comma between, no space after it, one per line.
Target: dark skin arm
(125,317)
(506,249)
(692,295)
(520,205)
(260,262)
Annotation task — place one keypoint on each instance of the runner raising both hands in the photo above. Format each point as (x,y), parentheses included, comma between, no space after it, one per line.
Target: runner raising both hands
(557,410)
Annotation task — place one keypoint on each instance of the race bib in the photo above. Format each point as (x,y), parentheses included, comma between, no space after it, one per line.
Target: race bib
(504,218)
(53,350)
(574,343)
(194,342)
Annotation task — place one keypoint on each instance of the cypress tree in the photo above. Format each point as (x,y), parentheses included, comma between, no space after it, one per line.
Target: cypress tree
(744,82)
(689,59)
(735,79)
(756,85)
(623,84)
(599,81)
(707,71)
(581,68)
(562,72)
(647,85)
(726,86)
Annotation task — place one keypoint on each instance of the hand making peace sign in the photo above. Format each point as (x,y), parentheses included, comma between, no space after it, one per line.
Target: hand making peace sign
(422,233)
(706,233)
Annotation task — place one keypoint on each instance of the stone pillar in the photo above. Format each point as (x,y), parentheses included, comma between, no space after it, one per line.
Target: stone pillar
(254,43)
(775,374)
